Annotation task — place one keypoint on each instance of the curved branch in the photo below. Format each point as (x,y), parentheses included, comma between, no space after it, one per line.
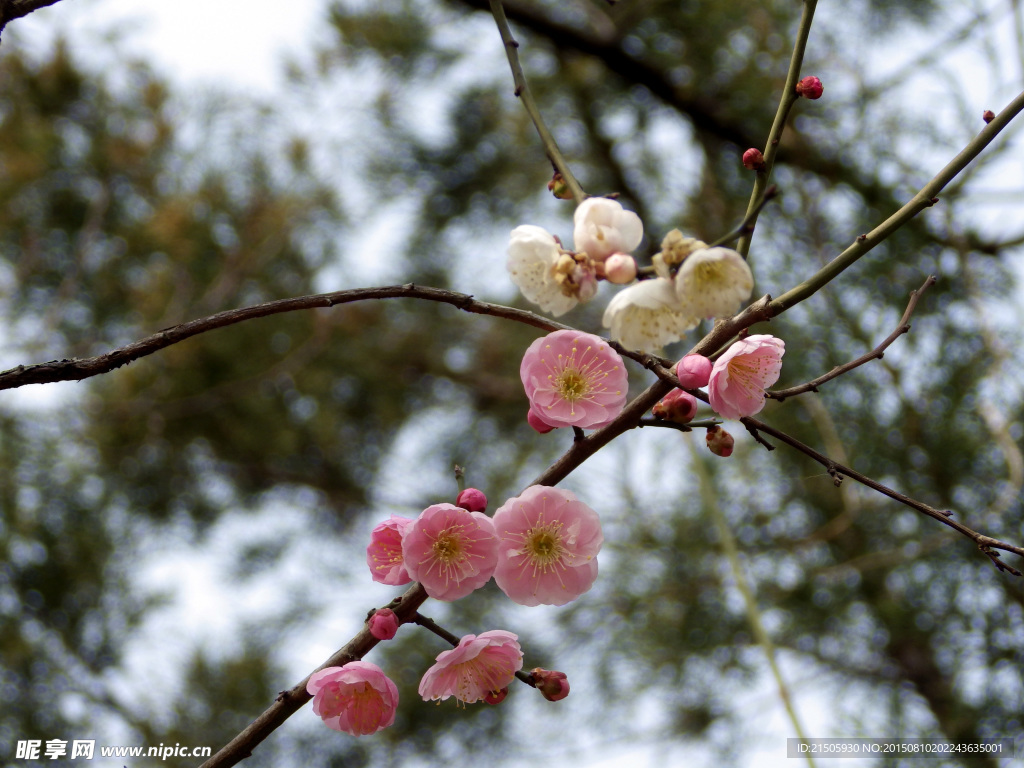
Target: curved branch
(78,369)
(16,9)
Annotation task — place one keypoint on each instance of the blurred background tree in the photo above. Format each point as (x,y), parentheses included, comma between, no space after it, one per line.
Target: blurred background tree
(237,475)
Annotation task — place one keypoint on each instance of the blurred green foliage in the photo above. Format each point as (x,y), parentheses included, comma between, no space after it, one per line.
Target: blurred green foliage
(114,224)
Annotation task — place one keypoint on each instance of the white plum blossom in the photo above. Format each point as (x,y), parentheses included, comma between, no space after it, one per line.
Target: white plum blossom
(602,227)
(713,282)
(533,262)
(647,315)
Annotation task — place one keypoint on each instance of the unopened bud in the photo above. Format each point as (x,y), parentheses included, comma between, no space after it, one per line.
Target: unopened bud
(472,500)
(720,442)
(988,115)
(694,371)
(677,406)
(384,624)
(810,88)
(558,187)
(496,697)
(620,268)
(553,685)
(753,160)
(535,421)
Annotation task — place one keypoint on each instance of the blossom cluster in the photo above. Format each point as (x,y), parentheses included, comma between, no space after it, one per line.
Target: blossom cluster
(690,281)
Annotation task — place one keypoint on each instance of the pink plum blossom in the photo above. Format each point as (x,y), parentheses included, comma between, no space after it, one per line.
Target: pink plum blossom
(357,698)
(384,624)
(479,666)
(549,546)
(694,371)
(573,379)
(602,227)
(450,551)
(554,686)
(384,554)
(740,377)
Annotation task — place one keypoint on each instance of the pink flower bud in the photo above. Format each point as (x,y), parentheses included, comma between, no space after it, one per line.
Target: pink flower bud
(677,406)
(535,421)
(694,371)
(810,88)
(753,160)
(720,442)
(988,115)
(496,697)
(553,685)
(620,269)
(471,499)
(384,624)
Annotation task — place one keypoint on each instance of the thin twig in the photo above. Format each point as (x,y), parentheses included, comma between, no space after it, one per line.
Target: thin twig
(876,354)
(747,225)
(526,97)
(786,102)
(838,471)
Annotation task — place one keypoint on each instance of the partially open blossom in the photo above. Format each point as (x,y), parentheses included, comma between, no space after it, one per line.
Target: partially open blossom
(472,499)
(620,268)
(573,379)
(549,545)
(553,685)
(383,624)
(480,665)
(602,227)
(677,406)
(537,423)
(693,371)
(496,697)
(647,316)
(753,159)
(384,554)
(720,442)
(534,257)
(357,698)
(714,282)
(450,551)
(810,88)
(740,377)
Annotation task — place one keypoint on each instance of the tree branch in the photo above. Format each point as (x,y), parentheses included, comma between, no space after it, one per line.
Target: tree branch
(876,354)
(16,9)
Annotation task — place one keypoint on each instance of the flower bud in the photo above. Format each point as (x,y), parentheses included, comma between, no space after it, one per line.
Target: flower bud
(384,624)
(620,268)
(753,160)
(471,499)
(988,115)
(810,88)
(694,371)
(720,442)
(558,187)
(553,685)
(496,697)
(534,421)
(677,406)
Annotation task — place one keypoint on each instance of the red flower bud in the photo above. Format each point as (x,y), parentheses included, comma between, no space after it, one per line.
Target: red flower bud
(720,442)
(677,406)
(810,88)
(472,500)
(553,685)
(988,115)
(753,160)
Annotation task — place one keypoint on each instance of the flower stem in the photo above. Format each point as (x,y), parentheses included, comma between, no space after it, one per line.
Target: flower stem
(523,92)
